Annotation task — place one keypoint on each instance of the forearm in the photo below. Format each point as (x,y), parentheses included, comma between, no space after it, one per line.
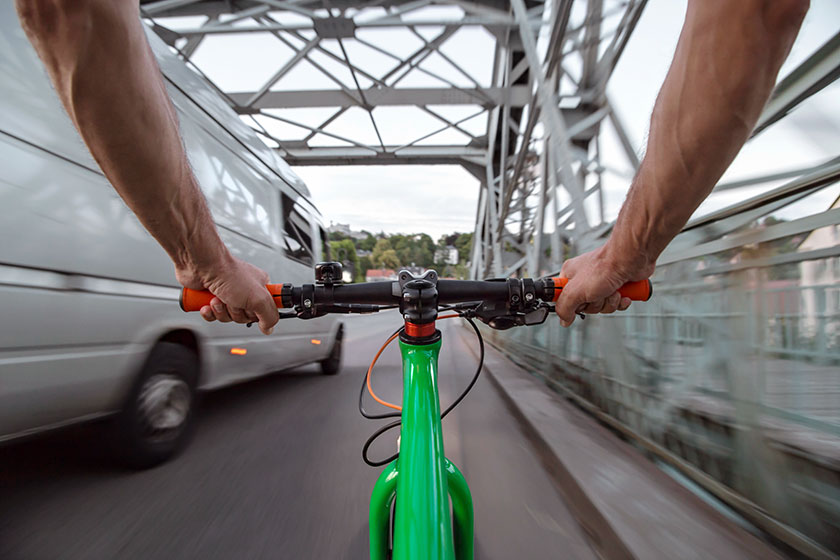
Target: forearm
(724,69)
(98,58)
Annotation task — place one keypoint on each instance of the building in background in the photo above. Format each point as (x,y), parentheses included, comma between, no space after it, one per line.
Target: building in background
(820,289)
(447,255)
(380,275)
(344,229)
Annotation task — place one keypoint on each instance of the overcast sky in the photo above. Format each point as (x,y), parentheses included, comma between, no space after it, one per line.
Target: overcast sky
(442,199)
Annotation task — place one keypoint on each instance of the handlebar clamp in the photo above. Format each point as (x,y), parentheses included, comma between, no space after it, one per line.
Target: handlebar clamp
(419,301)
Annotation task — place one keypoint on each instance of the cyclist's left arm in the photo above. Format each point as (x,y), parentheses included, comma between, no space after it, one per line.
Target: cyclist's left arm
(103,69)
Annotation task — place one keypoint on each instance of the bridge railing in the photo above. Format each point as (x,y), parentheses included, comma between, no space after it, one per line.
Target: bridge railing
(731,373)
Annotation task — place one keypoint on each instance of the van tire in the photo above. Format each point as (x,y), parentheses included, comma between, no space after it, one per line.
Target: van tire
(332,364)
(157,417)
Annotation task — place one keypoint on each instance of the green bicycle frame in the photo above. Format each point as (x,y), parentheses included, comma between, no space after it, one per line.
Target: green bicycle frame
(421,479)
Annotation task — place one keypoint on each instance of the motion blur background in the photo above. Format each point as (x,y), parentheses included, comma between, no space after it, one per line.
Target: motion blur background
(721,395)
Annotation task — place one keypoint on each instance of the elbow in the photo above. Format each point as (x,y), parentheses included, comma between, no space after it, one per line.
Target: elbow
(43,18)
(784,16)
(788,9)
(776,17)
(54,20)
(37,17)
(781,20)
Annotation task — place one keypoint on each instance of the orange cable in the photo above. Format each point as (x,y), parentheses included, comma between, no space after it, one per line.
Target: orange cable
(373,363)
(369,388)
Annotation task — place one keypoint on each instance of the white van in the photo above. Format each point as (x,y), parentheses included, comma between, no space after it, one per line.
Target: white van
(89,317)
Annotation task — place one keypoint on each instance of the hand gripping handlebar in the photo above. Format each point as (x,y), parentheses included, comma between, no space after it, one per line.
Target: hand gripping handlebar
(387,293)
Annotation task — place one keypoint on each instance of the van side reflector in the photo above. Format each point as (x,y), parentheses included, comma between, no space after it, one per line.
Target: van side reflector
(238,351)
(315,341)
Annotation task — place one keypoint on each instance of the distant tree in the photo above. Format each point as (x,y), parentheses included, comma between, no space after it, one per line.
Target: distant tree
(416,249)
(345,252)
(365,264)
(337,236)
(424,254)
(381,246)
(389,259)
(461,271)
(403,245)
(368,243)
(464,243)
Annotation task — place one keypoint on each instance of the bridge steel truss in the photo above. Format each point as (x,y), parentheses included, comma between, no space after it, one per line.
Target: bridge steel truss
(540,169)
(538,161)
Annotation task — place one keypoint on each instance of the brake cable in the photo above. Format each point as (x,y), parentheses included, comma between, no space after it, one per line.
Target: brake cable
(456,402)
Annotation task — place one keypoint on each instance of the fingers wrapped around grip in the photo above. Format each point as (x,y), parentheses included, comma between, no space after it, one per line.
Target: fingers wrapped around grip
(583,295)
(234,291)
(194,300)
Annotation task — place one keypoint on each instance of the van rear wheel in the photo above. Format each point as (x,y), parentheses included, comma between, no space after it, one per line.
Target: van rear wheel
(332,364)
(156,419)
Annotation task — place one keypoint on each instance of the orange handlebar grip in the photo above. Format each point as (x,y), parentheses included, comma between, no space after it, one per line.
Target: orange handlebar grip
(194,300)
(637,291)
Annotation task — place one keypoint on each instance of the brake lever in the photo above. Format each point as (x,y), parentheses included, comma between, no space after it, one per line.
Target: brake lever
(551,307)
(280,315)
(321,311)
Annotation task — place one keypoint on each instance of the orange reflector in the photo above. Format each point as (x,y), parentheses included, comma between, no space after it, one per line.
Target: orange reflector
(238,351)
(315,341)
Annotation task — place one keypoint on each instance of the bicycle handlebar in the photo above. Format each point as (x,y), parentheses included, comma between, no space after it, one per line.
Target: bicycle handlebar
(389,293)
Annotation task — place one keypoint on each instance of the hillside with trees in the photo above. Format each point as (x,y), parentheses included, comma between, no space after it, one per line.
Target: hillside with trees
(364,251)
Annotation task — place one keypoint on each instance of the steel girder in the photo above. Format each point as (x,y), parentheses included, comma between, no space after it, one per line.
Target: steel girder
(535,160)
(542,184)
(538,158)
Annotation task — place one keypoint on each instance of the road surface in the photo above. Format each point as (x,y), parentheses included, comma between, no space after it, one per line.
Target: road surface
(274,471)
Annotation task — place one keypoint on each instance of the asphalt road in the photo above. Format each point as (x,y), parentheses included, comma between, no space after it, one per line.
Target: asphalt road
(275,471)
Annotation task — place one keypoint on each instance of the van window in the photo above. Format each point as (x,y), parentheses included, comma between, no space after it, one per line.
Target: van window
(297,236)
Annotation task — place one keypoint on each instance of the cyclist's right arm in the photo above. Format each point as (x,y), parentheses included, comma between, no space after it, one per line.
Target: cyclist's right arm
(103,69)
(723,72)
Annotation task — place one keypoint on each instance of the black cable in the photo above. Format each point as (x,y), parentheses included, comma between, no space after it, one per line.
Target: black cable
(460,307)
(457,401)
(392,425)
(372,438)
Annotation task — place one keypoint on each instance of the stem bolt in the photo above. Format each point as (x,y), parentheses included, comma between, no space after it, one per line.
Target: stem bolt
(307,303)
(529,296)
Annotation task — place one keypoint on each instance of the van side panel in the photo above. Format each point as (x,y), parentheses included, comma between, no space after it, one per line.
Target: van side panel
(84,289)
(28,98)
